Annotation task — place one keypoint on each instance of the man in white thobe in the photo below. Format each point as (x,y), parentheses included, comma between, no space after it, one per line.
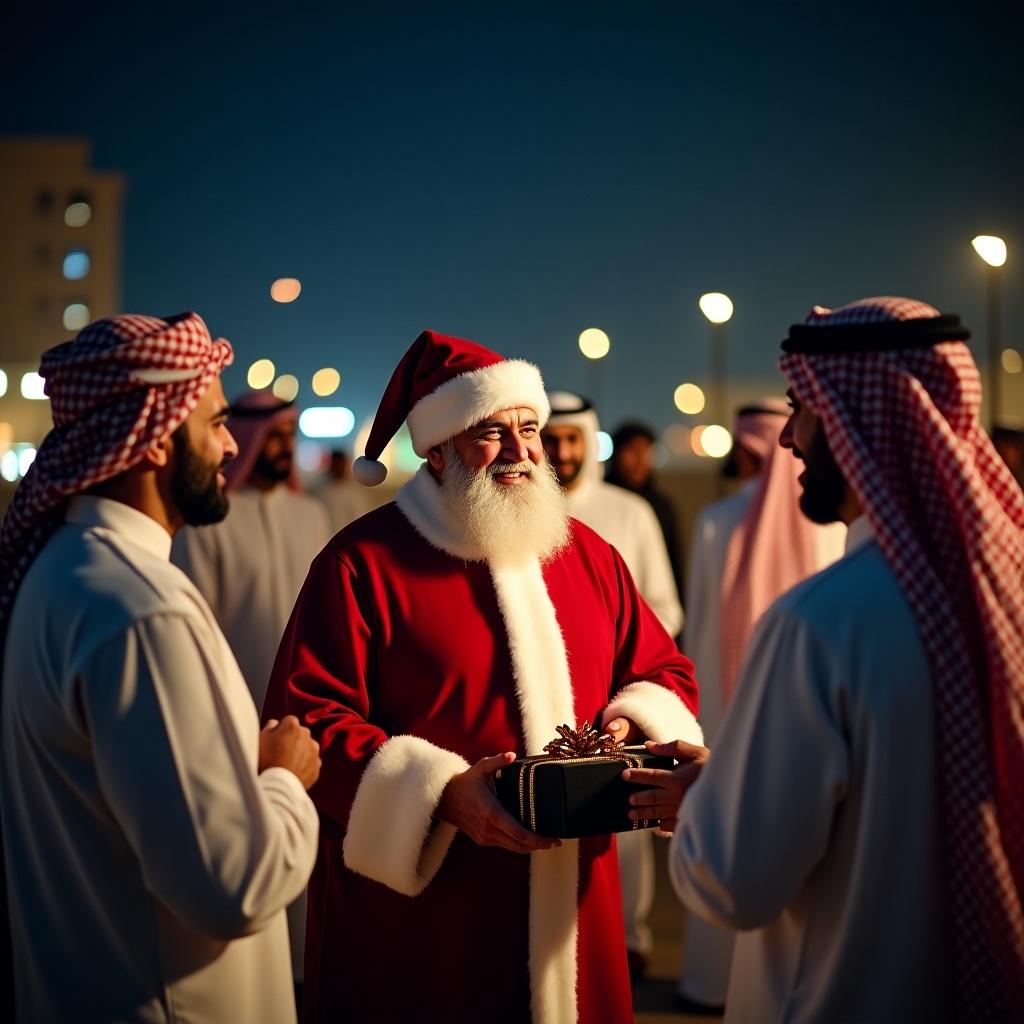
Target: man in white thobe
(153,835)
(344,499)
(859,819)
(629,524)
(779,548)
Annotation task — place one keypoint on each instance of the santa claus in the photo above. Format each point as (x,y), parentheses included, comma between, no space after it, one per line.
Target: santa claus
(434,640)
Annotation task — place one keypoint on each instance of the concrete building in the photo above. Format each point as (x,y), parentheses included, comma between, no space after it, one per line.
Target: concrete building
(60,267)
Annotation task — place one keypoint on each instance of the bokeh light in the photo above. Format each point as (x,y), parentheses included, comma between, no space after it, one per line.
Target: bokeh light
(76,316)
(605,447)
(1012,361)
(260,374)
(326,381)
(327,421)
(286,387)
(991,248)
(77,215)
(594,343)
(285,289)
(32,386)
(716,441)
(689,399)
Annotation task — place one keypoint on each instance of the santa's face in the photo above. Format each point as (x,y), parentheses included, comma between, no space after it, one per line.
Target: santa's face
(501,444)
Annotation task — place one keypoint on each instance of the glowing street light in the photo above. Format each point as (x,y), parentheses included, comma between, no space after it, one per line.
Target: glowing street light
(718,309)
(595,345)
(992,251)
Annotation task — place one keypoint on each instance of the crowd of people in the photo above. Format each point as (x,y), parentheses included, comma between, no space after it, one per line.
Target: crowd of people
(250,734)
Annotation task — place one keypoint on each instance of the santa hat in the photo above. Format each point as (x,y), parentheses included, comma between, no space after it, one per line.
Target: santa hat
(441,386)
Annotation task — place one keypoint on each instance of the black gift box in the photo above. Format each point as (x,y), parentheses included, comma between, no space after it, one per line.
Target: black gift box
(570,797)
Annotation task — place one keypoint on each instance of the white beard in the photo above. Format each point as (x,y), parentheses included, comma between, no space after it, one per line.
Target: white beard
(505,523)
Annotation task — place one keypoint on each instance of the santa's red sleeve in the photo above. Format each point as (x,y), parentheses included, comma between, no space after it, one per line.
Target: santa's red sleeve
(320,676)
(653,685)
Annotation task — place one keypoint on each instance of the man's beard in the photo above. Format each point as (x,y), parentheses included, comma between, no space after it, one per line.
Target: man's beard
(824,487)
(572,471)
(194,488)
(274,470)
(506,523)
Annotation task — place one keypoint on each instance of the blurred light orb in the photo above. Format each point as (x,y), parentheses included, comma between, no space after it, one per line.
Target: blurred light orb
(3,385)
(1012,361)
(33,386)
(76,316)
(310,455)
(76,265)
(77,215)
(326,381)
(26,457)
(260,374)
(991,248)
(286,387)
(285,289)
(677,439)
(716,306)
(716,441)
(605,447)
(695,445)
(327,421)
(594,343)
(9,465)
(689,399)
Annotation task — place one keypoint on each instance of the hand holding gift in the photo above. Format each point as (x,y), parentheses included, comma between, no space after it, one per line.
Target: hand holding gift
(666,789)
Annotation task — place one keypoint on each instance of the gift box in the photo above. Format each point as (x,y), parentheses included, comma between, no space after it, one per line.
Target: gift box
(576,788)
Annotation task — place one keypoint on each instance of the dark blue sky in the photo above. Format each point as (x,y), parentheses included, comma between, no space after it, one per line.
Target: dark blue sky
(515,177)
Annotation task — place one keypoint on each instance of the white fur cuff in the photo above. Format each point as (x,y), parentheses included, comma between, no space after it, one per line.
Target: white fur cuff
(656,711)
(389,836)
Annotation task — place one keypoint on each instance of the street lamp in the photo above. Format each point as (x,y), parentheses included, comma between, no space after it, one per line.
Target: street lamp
(993,251)
(717,307)
(594,344)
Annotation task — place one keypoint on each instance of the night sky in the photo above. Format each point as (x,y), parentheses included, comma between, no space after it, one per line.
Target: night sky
(515,177)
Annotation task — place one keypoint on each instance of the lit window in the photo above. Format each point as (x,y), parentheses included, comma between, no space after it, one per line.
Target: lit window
(78,213)
(76,264)
(76,316)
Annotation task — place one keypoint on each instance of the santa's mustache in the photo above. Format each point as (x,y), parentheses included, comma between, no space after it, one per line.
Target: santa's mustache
(497,468)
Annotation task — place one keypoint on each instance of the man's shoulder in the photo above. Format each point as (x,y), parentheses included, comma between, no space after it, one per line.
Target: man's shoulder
(622,499)
(859,587)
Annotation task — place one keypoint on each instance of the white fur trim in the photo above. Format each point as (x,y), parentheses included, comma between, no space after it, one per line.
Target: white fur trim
(472,397)
(419,500)
(369,472)
(389,836)
(657,711)
(544,689)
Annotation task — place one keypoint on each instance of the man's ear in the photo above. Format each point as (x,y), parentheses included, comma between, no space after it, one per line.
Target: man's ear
(435,458)
(158,454)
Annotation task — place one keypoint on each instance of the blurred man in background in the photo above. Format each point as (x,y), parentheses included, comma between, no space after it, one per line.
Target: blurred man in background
(632,467)
(628,523)
(344,499)
(250,567)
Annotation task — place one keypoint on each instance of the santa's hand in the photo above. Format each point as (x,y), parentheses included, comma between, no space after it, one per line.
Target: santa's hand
(469,803)
(668,788)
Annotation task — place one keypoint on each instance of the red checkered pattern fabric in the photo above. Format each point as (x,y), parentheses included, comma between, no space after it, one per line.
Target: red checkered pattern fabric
(904,428)
(121,384)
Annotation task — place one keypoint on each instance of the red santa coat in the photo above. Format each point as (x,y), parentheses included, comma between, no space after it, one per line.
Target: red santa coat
(409,661)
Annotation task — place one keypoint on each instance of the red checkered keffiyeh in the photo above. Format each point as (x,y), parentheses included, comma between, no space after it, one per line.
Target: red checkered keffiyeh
(903,426)
(120,385)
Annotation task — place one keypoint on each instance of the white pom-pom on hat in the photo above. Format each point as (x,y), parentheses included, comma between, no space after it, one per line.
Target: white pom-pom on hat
(369,472)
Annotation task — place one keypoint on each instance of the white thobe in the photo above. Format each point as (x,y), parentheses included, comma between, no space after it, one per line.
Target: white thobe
(345,501)
(814,827)
(148,864)
(250,568)
(629,524)
(708,949)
